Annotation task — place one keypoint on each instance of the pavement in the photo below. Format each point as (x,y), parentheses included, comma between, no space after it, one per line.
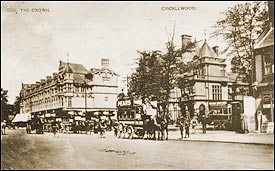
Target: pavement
(218,136)
(224,136)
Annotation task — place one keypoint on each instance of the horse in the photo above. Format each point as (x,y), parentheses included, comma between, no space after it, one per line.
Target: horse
(151,129)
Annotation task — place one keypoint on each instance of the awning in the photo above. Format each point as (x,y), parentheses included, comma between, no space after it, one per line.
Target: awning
(22,117)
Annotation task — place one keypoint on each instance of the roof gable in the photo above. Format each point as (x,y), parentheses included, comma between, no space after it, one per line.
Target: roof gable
(266,39)
(207,51)
(103,70)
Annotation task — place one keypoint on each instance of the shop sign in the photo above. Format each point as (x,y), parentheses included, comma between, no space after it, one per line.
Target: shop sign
(124,103)
(217,103)
(266,105)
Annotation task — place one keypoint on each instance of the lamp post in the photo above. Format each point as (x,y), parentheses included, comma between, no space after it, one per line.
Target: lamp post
(85,91)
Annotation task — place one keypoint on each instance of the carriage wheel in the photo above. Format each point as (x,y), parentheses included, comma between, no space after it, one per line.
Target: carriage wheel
(130,132)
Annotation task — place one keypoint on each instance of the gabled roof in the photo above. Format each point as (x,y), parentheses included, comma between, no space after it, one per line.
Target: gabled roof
(74,68)
(265,39)
(207,51)
(103,70)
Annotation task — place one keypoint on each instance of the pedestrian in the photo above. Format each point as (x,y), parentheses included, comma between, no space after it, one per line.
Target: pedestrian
(187,126)
(115,125)
(55,128)
(181,125)
(244,126)
(102,128)
(194,123)
(3,127)
(203,124)
(28,127)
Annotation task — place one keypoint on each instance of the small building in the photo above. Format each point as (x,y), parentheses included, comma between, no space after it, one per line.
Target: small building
(263,72)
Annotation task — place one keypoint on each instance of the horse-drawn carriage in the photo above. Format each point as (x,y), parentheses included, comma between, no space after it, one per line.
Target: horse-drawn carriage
(136,118)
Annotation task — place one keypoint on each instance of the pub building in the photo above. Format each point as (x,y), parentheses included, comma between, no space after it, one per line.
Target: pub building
(73,93)
(206,84)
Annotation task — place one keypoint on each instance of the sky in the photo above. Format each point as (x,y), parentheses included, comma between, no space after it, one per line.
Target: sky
(33,42)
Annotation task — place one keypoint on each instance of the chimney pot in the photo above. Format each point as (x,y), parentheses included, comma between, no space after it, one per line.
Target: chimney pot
(185,40)
(216,49)
(105,63)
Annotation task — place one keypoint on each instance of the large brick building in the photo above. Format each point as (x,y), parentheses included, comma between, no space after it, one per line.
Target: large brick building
(72,91)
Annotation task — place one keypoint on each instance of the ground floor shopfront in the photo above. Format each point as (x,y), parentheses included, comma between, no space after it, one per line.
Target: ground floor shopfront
(69,116)
(265,108)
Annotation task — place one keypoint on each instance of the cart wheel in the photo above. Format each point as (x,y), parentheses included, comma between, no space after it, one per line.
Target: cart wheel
(130,132)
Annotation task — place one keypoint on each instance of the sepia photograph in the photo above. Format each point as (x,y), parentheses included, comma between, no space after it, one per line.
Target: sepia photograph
(157,85)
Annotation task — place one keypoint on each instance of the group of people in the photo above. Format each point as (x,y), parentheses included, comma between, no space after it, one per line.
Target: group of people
(185,123)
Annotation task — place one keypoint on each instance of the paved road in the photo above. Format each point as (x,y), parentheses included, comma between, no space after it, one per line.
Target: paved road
(80,151)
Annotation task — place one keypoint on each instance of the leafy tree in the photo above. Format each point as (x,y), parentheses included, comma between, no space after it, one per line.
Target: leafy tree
(4,104)
(240,28)
(144,82)
(156,74)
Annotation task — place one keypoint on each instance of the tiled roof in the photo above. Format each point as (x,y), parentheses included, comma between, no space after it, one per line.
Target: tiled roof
(207,51)
(75,68)
(79,78)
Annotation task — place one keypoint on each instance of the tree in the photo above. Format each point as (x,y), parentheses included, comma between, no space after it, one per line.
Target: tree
(4,104)
(156,74)
(240,28)
(144,82)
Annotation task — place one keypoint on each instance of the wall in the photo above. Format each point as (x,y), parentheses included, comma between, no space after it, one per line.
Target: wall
(249,111)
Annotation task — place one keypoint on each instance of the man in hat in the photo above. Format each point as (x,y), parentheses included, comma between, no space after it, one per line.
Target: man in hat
(187,125)
(181,125)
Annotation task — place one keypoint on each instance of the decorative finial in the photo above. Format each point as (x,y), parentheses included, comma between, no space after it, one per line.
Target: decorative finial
(67,57)
(205,35)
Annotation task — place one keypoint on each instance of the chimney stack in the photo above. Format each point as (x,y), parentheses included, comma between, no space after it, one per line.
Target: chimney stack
(216,49)
(185,40)
(105,63)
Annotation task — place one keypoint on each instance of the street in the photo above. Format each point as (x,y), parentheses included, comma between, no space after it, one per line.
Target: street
(80,151)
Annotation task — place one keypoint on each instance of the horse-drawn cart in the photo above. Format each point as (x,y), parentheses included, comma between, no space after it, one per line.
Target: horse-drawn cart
(139,119)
